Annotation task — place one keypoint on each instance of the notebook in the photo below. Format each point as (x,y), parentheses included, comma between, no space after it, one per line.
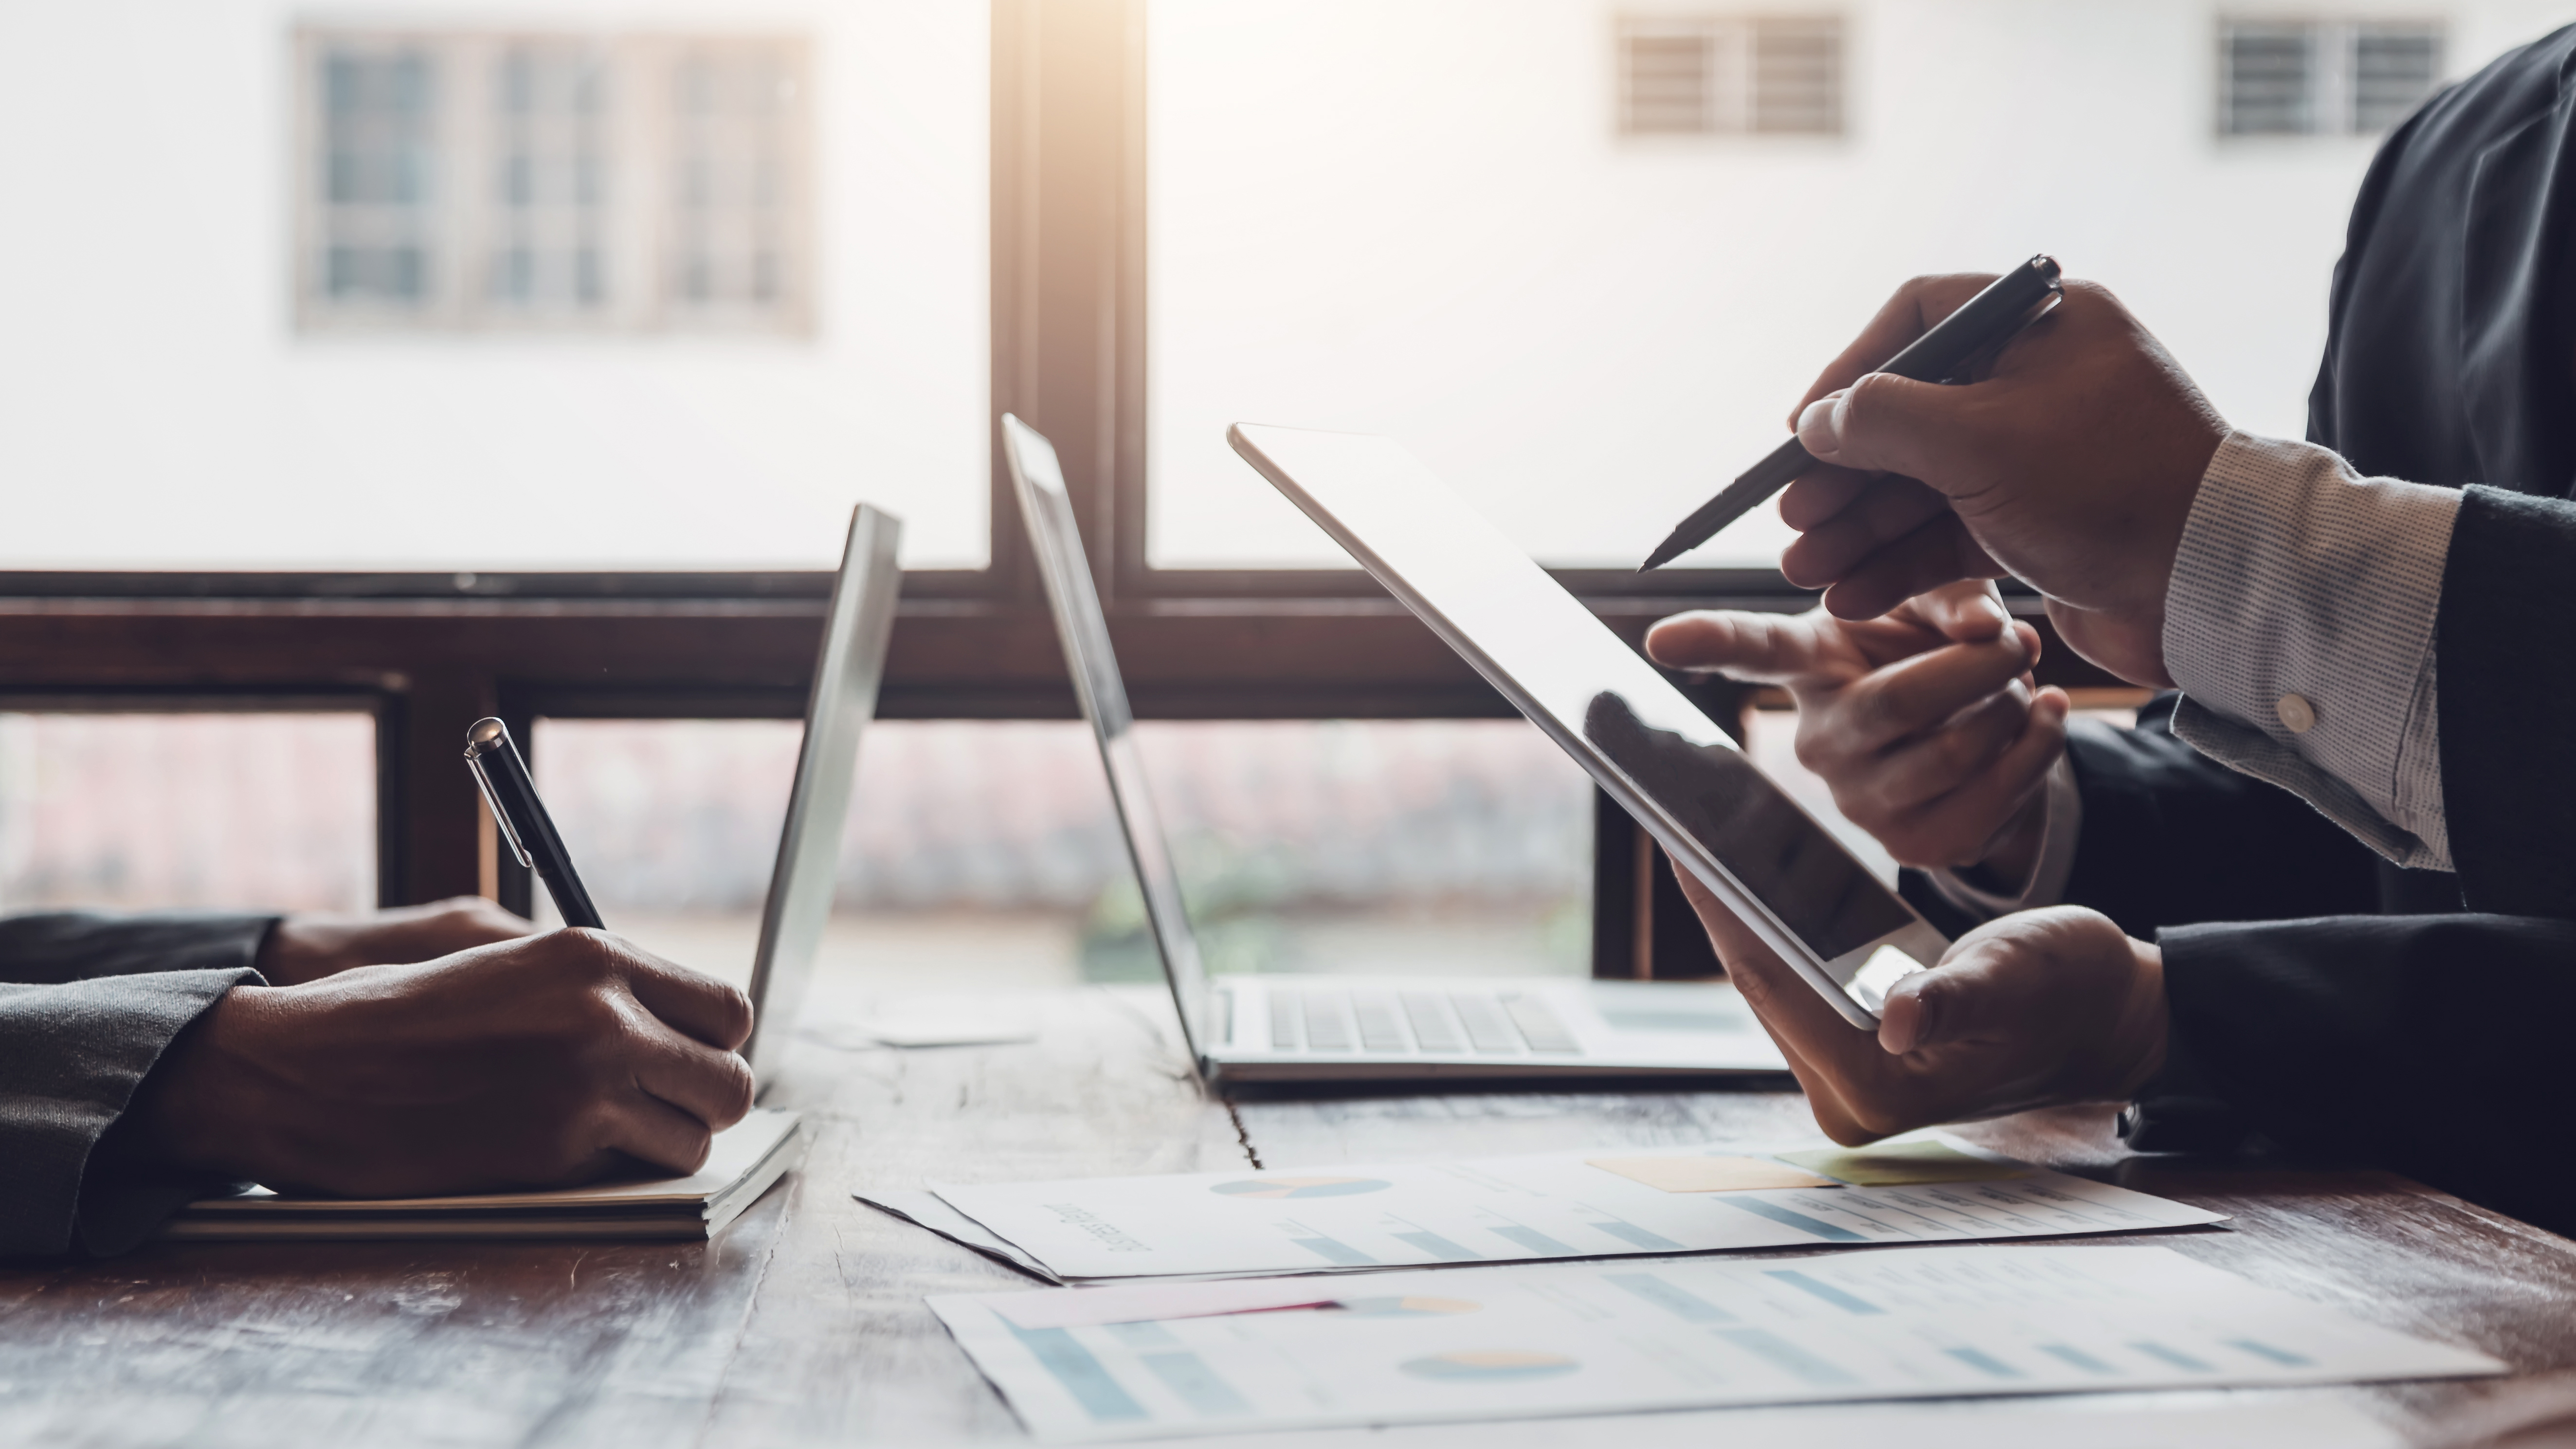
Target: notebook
(746,1160)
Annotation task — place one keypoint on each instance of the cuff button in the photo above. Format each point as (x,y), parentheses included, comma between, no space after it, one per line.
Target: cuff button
(2297,715)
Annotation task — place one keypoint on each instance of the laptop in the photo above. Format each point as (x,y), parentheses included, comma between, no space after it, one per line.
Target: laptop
(1281,1027)
(846,675)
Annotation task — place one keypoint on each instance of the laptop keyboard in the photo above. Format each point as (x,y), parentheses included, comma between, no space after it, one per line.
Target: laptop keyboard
(1433,1023)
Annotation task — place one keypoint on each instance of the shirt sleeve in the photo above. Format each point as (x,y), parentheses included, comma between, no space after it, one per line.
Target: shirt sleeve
(2300,626)
(1981,898)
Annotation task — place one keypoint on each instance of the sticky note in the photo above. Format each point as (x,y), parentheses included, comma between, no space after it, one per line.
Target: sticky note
(1707,1174)
(1896,1164)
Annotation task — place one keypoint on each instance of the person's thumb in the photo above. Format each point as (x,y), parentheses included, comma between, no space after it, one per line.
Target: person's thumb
(1986,987)
(1889,424)
(1967,612)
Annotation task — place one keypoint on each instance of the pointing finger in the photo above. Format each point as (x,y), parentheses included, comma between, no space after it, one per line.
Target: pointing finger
(1764,648)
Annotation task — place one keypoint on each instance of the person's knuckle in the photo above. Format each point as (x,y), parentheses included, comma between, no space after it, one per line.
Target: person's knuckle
(742,1091)
(695,1145)
(1874,1119)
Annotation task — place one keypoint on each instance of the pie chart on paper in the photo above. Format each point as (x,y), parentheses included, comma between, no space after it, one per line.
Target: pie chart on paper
(1288,1187)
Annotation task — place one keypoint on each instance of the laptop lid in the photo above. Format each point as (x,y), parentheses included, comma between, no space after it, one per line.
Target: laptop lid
(1641,739)
(846,675)
(1084,632)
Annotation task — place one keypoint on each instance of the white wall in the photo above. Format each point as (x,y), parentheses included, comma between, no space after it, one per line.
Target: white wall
(157,407)
(1414,217)
(1407,215)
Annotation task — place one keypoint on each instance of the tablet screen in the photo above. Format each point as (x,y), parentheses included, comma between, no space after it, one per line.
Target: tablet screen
(1601,701)
(1757,832)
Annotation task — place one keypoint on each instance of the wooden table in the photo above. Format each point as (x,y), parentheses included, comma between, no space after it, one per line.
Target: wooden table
(804,1323)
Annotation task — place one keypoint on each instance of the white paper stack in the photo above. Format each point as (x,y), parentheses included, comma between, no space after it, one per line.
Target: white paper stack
(1621,1202)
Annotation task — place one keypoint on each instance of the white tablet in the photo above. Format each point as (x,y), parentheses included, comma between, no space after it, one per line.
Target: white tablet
(1665,762)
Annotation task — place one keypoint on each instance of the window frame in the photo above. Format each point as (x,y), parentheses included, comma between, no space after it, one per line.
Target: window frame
(432,652)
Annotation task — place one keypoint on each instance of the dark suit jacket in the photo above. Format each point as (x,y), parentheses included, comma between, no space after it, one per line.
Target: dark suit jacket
(87,1004)
(2338,1005)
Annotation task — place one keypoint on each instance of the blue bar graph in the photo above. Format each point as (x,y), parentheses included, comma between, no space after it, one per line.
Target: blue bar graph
(1534,1240)
(1679,1302)
(1789,1218)
(1848,1303)
(1333,1251)
(2281,1356)
(1081,1374)
(1439,1247)
(1781,1353)
(1985,1363)
(1189,1376)
(2162,1354)
(1628,1232)
(2074,1357)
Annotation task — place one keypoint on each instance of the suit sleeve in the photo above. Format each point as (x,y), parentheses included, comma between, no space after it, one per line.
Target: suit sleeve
(2433,1045)
(88,1003)
(2508,770)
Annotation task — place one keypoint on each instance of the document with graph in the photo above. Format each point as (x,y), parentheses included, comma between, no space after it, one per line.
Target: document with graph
(1082,1365)
(1611,1202)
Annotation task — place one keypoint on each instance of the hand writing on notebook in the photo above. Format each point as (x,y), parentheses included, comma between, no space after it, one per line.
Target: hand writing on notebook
(537,1062)
(2036,1009)
(1924,721)
(2073,466)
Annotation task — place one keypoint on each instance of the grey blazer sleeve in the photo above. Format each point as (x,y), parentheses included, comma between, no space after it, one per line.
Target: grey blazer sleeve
(88,1003)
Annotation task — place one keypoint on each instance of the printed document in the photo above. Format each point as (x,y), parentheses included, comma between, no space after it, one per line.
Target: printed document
(1597,1204)
(1557,1339)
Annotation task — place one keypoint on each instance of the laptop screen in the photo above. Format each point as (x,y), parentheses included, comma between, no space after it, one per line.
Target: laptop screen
(846,675)
(1084,630)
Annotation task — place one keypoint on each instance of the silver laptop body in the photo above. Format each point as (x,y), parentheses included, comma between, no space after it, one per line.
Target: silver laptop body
(1284,1027)
(846,675)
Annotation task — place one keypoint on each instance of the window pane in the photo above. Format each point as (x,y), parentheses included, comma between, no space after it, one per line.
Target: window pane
(2394,67)
(2270,79)
(389,297)
(550,179)
(1438,219)
(378,136)
(226,811)
(985,852)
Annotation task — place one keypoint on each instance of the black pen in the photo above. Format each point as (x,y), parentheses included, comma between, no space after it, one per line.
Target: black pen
(512,794)
(2013,301)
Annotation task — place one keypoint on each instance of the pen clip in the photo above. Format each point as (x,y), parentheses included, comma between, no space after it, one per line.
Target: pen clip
(500,817)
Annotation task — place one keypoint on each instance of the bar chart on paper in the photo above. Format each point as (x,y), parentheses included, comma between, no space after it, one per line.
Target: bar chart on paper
(1556,1339)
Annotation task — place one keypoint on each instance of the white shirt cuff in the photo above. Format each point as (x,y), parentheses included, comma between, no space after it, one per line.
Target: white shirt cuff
(2299,624)
(2048,876)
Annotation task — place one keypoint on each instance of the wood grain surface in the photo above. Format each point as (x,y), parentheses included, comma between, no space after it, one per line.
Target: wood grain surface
(803,1324)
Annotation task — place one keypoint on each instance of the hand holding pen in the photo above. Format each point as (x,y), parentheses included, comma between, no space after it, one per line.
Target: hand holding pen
(1969,332)
(525,826)
(2072,467)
